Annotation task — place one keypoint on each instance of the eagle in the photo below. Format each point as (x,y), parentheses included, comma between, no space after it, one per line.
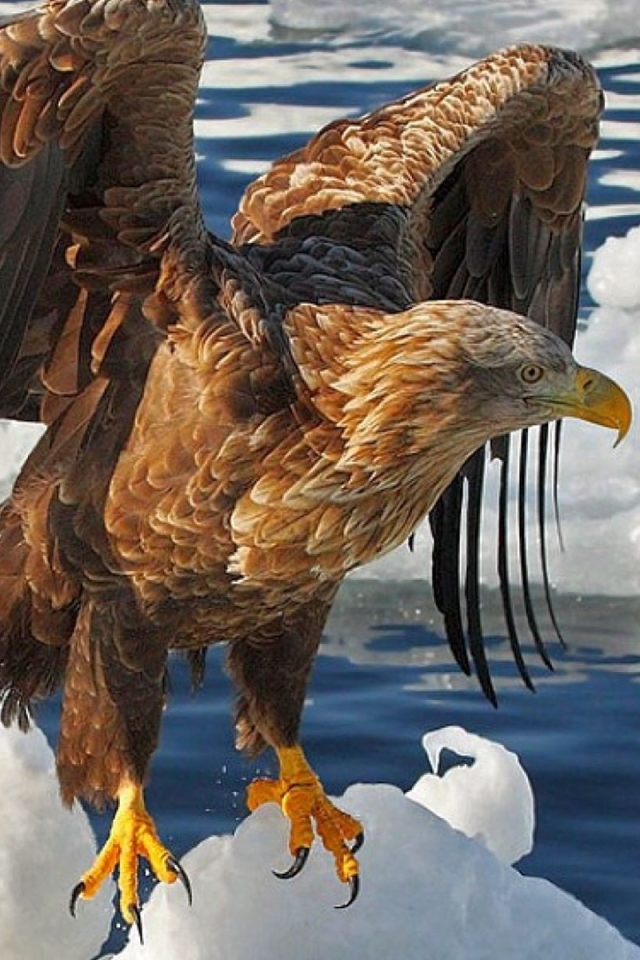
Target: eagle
(230,427)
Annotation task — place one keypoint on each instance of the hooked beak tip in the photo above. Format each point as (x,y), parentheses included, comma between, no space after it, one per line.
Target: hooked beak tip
(602,401)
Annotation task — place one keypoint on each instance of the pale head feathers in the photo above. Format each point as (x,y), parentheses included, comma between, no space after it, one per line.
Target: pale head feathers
(430,384)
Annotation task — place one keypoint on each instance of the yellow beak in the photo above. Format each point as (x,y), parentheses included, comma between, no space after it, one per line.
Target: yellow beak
(597,399)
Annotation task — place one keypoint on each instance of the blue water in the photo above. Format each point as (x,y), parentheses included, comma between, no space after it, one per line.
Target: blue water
(384,676)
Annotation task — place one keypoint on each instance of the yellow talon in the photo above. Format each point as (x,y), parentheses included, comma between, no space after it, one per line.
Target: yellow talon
(303,801)
(133,834)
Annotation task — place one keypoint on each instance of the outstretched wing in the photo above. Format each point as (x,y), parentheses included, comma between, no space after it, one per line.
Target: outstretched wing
(100,229)
(97,181)
(103,254)
(471,188)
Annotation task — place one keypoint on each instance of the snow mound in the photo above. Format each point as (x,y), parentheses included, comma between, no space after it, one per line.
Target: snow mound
(424,884)
(44,848)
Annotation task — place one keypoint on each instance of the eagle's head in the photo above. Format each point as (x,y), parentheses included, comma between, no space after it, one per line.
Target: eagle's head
(513,373)
(413,394)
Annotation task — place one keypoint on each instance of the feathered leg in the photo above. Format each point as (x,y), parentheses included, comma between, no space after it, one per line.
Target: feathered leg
(109,729)
(271,673)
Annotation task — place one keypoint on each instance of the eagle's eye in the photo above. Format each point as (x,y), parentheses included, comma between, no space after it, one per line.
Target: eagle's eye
(531,373)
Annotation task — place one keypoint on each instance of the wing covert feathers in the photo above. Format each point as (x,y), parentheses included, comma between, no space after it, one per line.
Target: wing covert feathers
(512,105)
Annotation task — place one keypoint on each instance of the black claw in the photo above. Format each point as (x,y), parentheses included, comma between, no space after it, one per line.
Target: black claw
(76,893)
(302,855)
(354,887)
(182,875)
(137,919)
(358,843)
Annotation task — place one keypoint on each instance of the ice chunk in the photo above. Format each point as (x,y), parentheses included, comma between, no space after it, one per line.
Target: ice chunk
(44,848)
(490,800)
(427,890)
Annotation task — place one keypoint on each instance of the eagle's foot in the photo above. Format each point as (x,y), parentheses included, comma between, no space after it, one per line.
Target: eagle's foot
(303,801)
(133,834)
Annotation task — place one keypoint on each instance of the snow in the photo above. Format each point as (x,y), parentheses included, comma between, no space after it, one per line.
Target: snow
(424,881)
(614,279)
(16,441)
(44,848)
(490,800)
(601,488)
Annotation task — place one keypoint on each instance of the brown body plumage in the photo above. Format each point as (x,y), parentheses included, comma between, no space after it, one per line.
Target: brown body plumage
(231,428)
